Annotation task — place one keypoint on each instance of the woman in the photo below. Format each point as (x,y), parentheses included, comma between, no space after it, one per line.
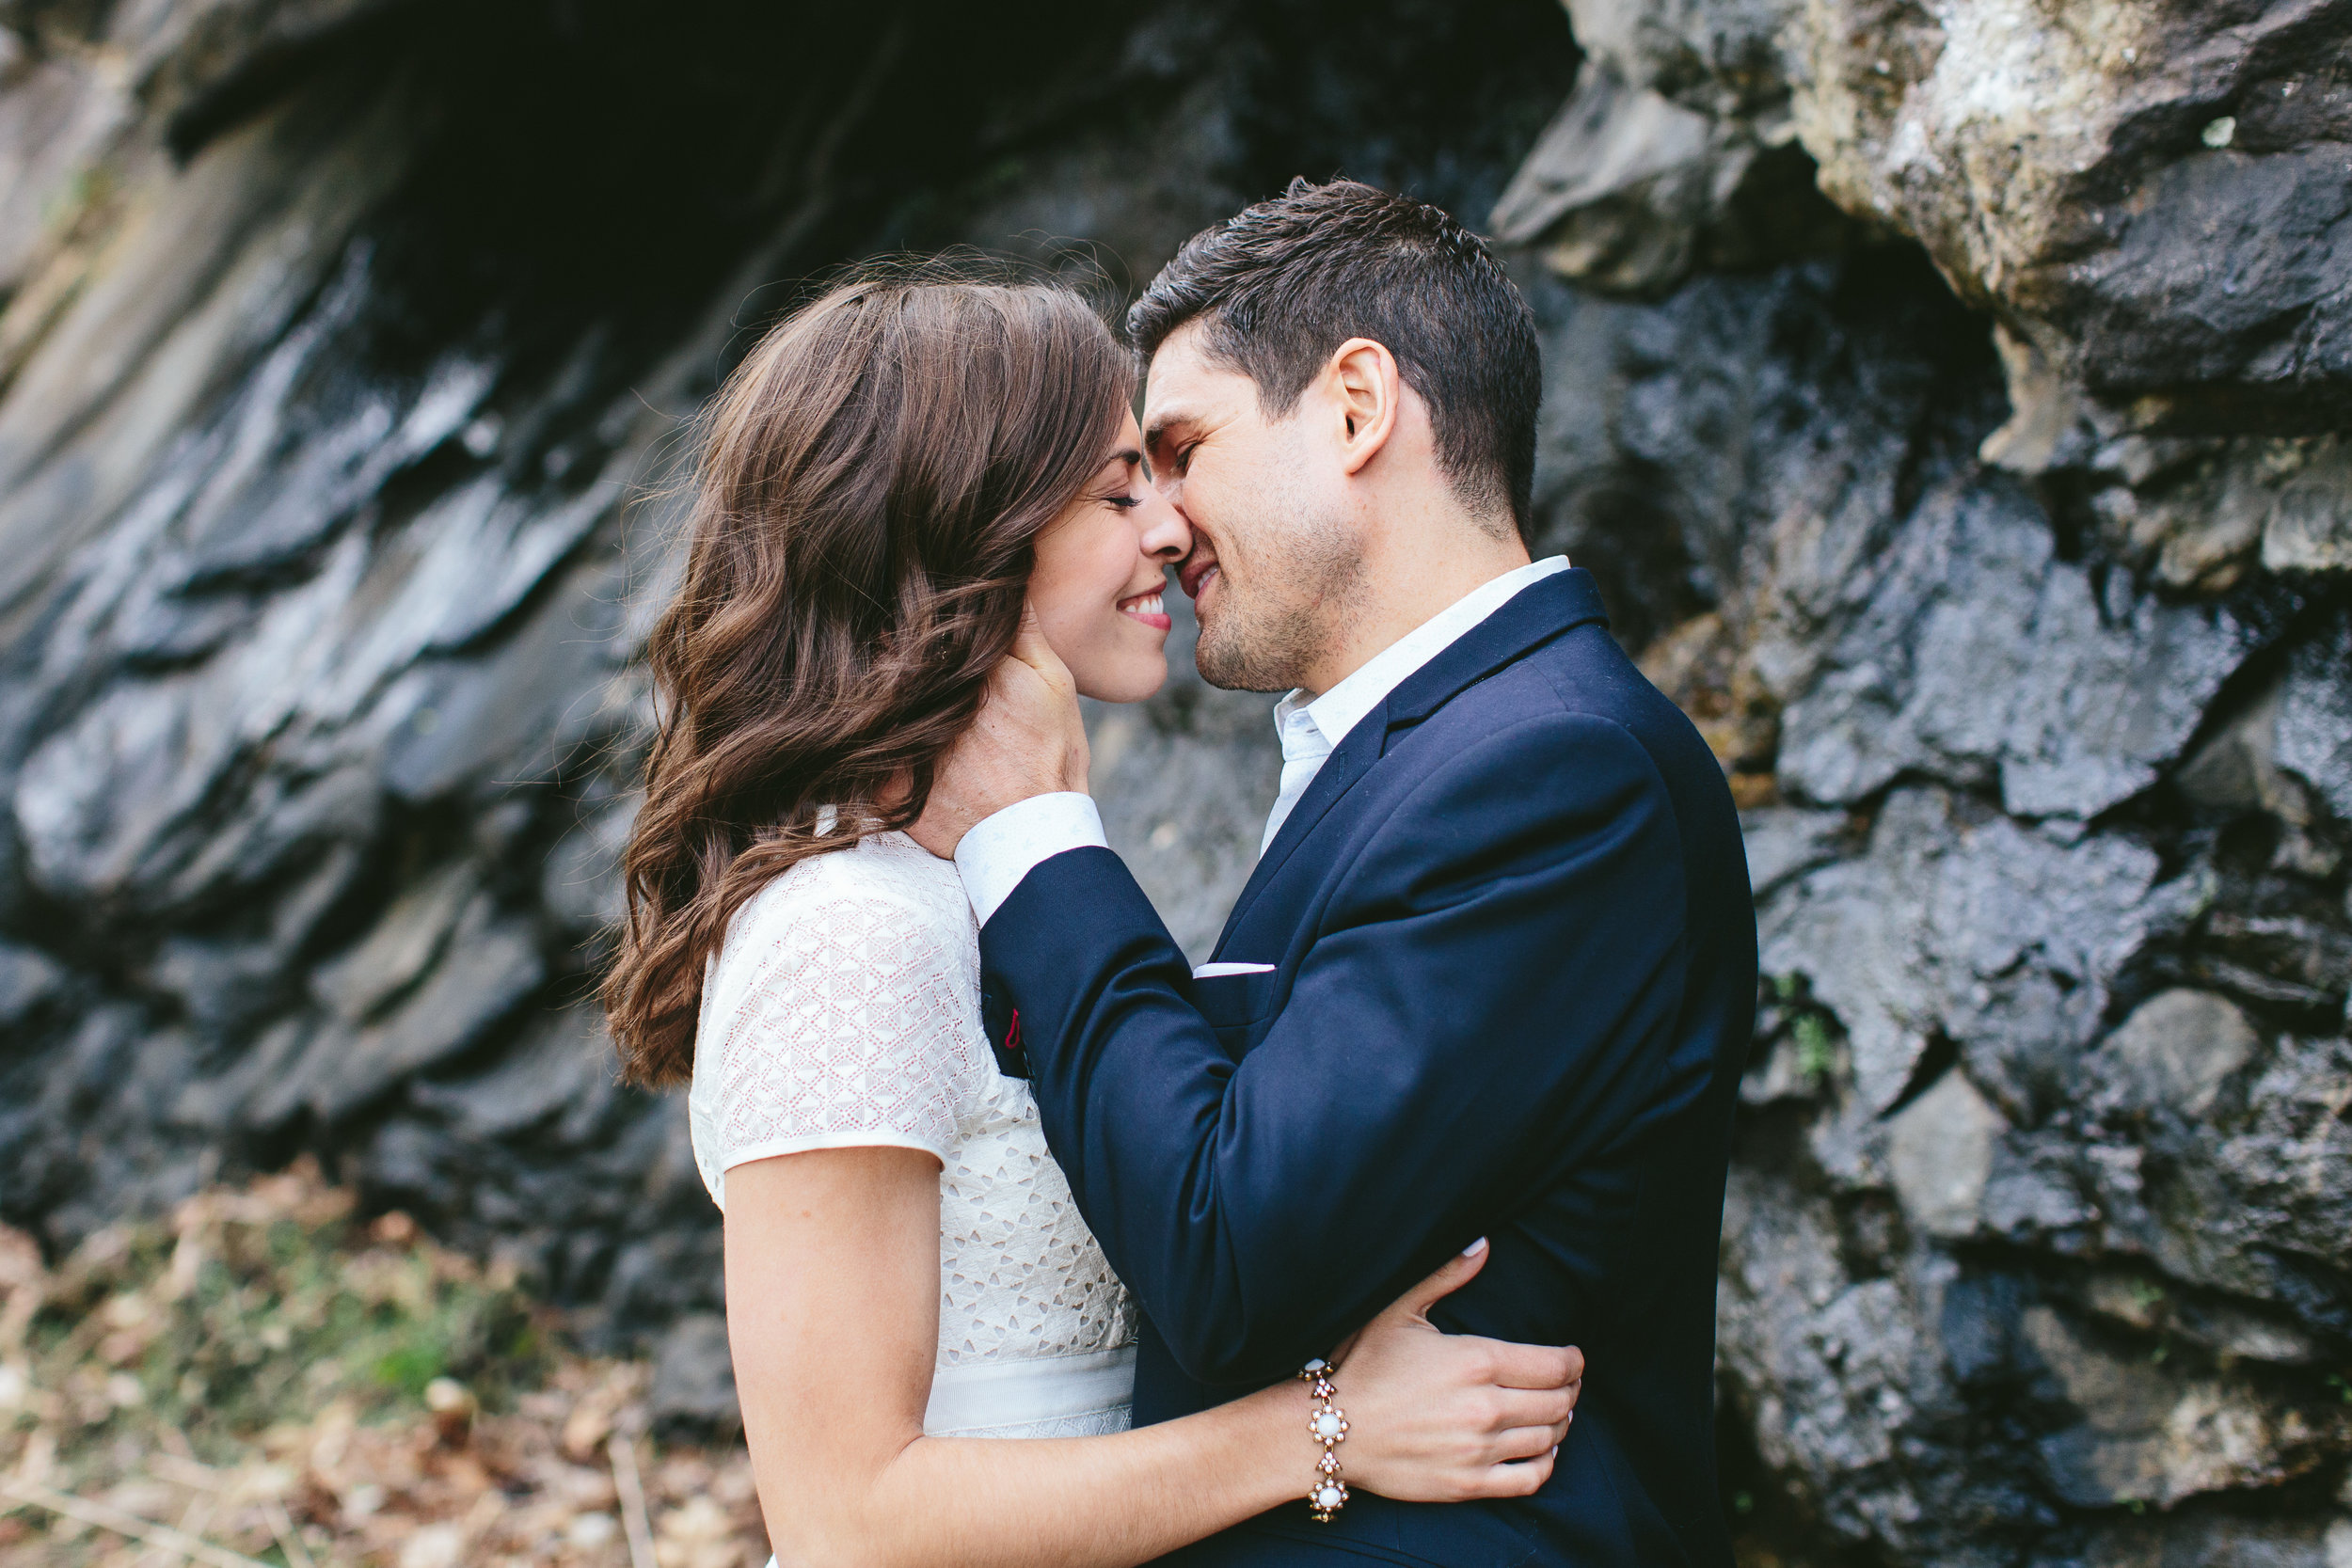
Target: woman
(884,483)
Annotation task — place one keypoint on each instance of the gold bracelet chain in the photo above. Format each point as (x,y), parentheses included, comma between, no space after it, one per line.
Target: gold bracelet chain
(1329,1427)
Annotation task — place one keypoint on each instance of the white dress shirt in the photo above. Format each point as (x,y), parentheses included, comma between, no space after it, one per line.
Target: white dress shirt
(1001,849)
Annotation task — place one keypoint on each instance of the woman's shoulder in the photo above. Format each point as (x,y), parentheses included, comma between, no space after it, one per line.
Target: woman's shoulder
(842,1011)
(885,881)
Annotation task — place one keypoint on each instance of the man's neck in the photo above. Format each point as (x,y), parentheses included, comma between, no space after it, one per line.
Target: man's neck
(1405,588)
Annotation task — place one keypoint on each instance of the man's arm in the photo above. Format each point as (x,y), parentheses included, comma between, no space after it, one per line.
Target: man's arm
(1489,996)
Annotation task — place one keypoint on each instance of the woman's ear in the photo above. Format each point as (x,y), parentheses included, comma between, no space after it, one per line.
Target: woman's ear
(1363,390)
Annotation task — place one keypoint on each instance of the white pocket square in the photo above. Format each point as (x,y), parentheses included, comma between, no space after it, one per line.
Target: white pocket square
(1210,971)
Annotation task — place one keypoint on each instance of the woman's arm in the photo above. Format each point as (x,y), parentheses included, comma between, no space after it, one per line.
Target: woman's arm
(833,1305)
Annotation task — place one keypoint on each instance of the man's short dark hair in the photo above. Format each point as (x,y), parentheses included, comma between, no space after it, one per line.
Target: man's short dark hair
(1281,285)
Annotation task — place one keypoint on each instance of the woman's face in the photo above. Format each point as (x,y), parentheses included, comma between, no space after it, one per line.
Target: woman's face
(1096,589)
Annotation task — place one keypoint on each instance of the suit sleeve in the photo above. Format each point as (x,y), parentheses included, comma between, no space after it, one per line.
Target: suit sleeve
(1487,993)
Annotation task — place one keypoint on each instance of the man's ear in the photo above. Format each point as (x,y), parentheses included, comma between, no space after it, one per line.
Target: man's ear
(1364,392)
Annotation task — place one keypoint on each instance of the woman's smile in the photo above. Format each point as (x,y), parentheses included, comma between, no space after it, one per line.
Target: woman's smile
(1101,568)
(1147,607)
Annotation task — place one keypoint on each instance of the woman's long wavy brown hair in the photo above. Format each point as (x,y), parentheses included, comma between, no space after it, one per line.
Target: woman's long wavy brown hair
(870,485)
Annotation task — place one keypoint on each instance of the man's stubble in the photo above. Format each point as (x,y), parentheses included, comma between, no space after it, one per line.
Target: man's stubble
(1283,600)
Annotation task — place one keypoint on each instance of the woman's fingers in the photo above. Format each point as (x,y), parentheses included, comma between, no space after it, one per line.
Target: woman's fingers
(1452,1276)
(1517,1366)
(1515,1477)
(1524,1443)
(1533,1407)
(1486,1416)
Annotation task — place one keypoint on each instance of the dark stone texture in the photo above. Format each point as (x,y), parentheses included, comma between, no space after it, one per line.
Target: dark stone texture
(28,982)
(2148,197)
(2023,1236)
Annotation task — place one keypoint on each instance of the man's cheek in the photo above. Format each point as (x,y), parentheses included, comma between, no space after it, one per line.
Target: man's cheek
(1213,515)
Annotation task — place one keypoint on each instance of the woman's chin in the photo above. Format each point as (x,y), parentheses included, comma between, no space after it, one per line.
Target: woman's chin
(1130,681)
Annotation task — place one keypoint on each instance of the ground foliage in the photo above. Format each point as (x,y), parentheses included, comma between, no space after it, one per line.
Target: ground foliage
(274,1375)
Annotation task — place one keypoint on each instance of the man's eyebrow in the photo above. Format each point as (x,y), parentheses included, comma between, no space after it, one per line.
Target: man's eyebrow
(1164,424)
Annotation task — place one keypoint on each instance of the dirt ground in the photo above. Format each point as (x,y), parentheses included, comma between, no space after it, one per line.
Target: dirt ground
(265,1380)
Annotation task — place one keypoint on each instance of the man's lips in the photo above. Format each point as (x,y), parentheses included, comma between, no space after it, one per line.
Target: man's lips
(1195,575)
(1147,608)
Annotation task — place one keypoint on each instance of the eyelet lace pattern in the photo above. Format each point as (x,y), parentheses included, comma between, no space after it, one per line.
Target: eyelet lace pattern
(845,1011)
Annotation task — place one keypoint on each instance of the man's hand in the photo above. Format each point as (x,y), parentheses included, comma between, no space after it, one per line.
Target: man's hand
(1029,740)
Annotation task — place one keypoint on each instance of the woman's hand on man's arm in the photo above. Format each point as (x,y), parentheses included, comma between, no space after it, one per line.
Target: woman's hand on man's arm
(1453,1417)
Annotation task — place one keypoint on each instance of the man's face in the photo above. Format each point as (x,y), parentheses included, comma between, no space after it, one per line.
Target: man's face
(1273,565)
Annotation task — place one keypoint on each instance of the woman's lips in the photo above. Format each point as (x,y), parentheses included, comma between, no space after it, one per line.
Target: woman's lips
(1148,608)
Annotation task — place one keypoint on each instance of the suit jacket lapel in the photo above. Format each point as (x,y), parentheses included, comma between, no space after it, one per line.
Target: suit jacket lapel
(1528,620)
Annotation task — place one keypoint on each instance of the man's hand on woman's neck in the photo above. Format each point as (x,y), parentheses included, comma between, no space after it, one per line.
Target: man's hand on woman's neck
(1029,740)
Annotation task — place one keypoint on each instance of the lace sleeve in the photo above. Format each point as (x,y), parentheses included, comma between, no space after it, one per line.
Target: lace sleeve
(840,1031)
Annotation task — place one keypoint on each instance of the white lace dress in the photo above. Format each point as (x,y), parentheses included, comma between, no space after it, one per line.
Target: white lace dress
(844,1011)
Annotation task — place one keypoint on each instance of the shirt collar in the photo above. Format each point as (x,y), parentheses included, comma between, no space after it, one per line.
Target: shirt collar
(1342,708)
(1296,728)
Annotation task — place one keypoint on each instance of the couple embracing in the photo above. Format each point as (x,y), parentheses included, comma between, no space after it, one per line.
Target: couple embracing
(1043,1246)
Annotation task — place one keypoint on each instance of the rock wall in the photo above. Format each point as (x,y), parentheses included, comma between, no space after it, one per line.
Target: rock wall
(2037,1248)
(1989,512)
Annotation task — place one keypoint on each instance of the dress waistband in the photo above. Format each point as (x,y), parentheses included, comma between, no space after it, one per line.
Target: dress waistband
(978,1394)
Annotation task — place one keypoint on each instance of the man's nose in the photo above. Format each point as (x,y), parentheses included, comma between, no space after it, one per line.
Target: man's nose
(1165,533)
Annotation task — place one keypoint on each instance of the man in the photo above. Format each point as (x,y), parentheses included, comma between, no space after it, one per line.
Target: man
(1495,972)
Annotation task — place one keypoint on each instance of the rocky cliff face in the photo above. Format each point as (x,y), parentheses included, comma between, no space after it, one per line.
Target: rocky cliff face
(2037,1248)
(1989,512)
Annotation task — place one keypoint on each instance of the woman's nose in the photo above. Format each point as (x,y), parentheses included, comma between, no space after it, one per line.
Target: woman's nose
(1165,533)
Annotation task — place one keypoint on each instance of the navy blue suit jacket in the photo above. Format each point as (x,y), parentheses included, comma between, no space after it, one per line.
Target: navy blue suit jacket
(1514,983)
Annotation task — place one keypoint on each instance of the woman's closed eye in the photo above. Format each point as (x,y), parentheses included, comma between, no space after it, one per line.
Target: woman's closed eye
(1122,480)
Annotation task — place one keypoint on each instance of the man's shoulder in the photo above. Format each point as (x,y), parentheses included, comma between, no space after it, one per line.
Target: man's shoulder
(1589,674)
(1576,715)
(1577,686)
(1514,748)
